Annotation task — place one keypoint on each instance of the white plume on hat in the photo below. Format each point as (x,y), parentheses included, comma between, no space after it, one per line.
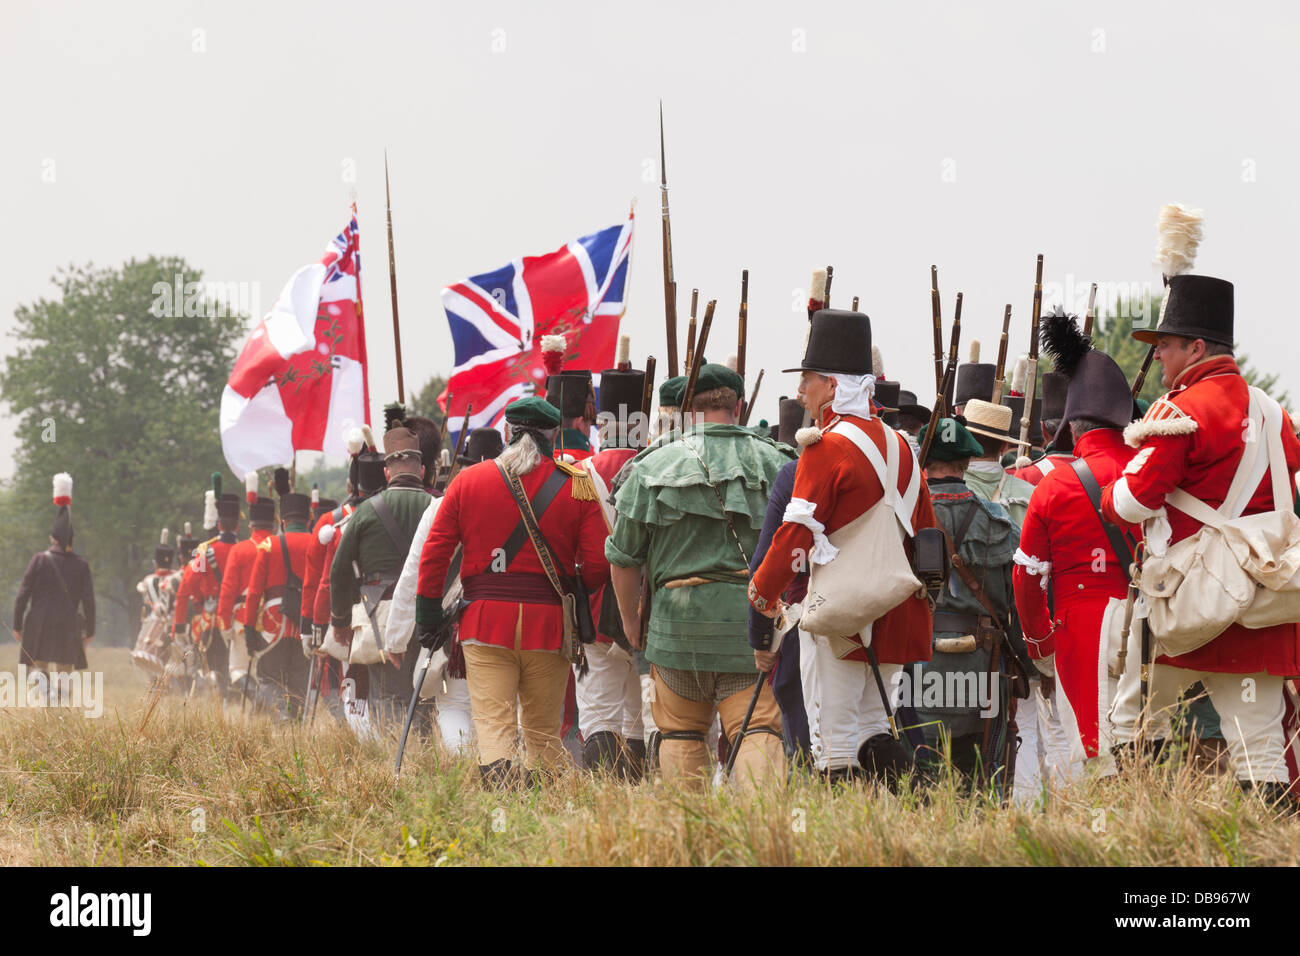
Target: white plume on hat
(732,361)
(1019,374)
(250,486)
(974,351)
(553,343)
(624,349)
(817,288)
(162,538)
(356,441)
(368,436)
(1179,232)
(63,488)
(189,533)
(209,509)
(877,362)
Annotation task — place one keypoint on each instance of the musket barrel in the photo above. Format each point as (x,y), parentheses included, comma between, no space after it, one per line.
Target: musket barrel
(753,397)
(936,322)
(697,360)
(742,333)
(1089,315)
(1031,371)
(392,286)
(951,381)
(670,284)
(999,374)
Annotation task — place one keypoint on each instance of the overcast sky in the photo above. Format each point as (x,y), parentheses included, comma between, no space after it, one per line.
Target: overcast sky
(879,138)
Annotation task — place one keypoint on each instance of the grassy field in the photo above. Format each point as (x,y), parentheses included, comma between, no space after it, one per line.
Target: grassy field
(199,786)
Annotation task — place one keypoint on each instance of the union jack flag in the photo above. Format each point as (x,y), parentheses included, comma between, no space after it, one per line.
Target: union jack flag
(498,318)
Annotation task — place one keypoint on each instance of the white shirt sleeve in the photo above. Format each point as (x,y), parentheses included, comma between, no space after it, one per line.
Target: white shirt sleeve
(401,613)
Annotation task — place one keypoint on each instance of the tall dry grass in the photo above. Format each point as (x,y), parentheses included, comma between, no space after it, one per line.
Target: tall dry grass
(205,786)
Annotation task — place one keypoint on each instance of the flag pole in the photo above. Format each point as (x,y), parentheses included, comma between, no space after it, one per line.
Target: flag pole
(392,285)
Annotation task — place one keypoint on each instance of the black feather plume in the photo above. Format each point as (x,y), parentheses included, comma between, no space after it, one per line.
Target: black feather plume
(281,481)
(216,484)
(394,415)
(1063,340)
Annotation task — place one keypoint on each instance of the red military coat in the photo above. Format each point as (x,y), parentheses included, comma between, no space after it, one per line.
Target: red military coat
(479,512)
(836,477)
(316,564)
(1033,474)
(606,463)
(234,579)
(199,577)
(1192,438)
(267,582)
(1062,542)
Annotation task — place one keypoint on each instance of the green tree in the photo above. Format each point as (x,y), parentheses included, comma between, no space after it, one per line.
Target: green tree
(120,387)
(1113,334)
(425,401)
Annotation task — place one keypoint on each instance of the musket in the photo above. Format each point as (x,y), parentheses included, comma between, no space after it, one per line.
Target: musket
(451,618)
(742,333)
(1000,374)
(936,320)
(307,702)
(855,303)
(688,397)
(1090,314)
(442,437)
(1142,372)
(1031,371)
(690,330)
(648,398)
(392,285)
(945,382)
(753,397)
(744,725)
(460,443)
(826,298)
(951,384)
(670,286)
(370,613)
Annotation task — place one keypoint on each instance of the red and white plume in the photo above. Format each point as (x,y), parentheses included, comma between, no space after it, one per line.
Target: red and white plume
(553,354)
(250,487)
(63,488)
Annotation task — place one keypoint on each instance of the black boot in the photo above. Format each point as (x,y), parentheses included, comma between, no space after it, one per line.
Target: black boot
(651,763)
(600,752)
(1275,794)
(1127,754)
(633,760)
(496,775)
(885,759)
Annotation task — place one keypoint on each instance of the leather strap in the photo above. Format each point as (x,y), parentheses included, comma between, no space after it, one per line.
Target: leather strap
(534,532)
(545,495)
(289,576)
(1120,545)
(402,542)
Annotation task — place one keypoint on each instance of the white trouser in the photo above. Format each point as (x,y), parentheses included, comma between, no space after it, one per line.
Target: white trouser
(455,721)
(609,697)
(1047,729)
(647,702)
(1250,708)
(234,638)
(842,700)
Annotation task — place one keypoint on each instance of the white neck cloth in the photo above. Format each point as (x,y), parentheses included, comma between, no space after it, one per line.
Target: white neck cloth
(853,394)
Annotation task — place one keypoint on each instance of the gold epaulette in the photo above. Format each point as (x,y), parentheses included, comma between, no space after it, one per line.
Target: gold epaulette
(582,488)
(264,544)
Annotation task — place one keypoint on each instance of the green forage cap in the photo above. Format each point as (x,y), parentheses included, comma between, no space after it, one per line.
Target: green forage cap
(718,376)
(671,392)
(952,442)
(534,412)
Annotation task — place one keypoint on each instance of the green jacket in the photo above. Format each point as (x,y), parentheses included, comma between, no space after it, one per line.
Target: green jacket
(671,520)
(987,549)
(366,542)
(1015,493)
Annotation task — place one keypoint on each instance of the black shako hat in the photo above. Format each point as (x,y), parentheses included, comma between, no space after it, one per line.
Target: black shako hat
(790,420)
(295,506)
(1055,385)
(1195,307)
(621,391)
(1097,387)
(974,380)
(262,511)
(482,444)
(370,473)
(228,507)
(886,397)
(570,392)
(838,342)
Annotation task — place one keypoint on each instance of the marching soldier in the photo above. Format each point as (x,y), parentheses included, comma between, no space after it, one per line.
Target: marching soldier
(273,628)
(54,612)
(842,474)
(234,584)
(689,512)
(373,546)
(609,695)
(1062,590)
(1055,386)
(911,416)
(153,644)
(201,583)
(513,630)
(444,681)
(1194,440)
(570,391)
(964,687)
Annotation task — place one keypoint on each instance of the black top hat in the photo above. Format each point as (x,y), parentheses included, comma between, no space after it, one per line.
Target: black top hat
(621,391)
(887,398)
(1195,307)
(907,405)
(838,341)
(1099,390)
(370,473)
(295,507)
(1017,405)
(483,444)
(570,392)
(262,511)
(790,421)
(164,553)
(1055,385)
(974,380)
